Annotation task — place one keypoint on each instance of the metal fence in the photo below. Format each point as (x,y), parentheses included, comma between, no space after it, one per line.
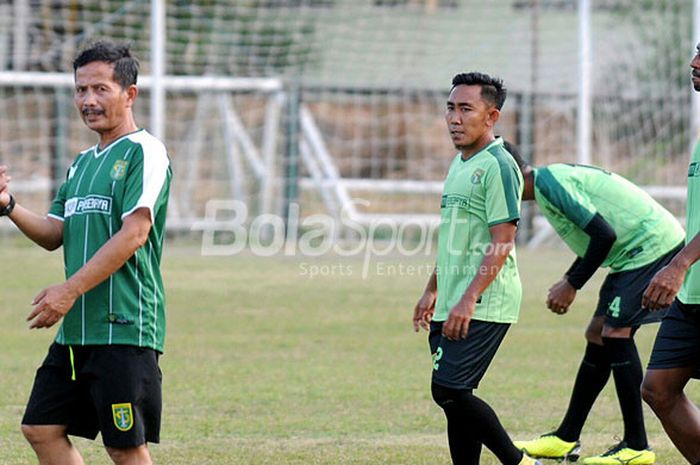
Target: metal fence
(323,102)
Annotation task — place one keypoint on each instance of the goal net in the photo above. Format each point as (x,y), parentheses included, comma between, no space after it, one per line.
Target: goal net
(336,106)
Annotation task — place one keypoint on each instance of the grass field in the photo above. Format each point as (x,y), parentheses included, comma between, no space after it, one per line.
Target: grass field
(265,365)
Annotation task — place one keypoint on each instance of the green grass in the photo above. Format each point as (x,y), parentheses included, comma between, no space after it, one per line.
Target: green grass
(266,366)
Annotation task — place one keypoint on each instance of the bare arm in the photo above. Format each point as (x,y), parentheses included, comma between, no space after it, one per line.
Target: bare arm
(502,242)
(425,308)
(45,231)
(52,303)
(668,281)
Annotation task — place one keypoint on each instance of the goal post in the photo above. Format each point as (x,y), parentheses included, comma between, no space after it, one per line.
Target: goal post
(326,102)
(216,128)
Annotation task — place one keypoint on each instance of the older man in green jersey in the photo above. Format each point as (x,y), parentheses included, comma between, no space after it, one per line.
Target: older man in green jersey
(473,295)
(101,373)
(608,222)
(675,358)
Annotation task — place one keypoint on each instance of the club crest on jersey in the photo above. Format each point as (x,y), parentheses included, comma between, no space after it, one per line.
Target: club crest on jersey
(123,416)
(119,170)
(694,170)
(476,176)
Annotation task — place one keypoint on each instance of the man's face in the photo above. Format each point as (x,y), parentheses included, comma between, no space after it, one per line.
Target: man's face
(101,101)
(695,66)
(469,117)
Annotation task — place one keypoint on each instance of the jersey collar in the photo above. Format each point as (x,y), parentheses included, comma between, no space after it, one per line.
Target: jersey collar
(96,149)
(497,141)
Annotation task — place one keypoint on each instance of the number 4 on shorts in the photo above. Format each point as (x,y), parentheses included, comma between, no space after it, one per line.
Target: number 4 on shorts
(614,307)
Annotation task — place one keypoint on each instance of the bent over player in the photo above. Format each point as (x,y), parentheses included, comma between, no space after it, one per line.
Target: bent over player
(608,222)
(473,295)
(101,373)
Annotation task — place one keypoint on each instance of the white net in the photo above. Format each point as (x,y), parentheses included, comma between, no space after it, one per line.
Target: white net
(364,82)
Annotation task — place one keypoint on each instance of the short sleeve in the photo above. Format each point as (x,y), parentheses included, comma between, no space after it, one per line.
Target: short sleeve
(146,179)
(571,202)
(58,206)
(502,191)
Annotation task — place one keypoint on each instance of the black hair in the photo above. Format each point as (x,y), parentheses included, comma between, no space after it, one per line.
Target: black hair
(491,87)
(126,67)
(515,153)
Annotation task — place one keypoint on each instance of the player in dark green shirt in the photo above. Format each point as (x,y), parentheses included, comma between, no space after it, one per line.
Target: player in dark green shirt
(101,374)
(675,358)
(607,222)
(473,295)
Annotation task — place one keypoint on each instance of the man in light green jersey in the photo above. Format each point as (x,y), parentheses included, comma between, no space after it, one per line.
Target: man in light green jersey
(101,373)
(607,222)
(675,358)
(473,295)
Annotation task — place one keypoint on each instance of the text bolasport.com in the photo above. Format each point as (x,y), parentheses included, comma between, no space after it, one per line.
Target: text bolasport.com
(228,229)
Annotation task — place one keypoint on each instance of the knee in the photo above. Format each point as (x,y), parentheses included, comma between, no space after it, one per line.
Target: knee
(447,398)
(39,434)
(594,336)
(136,456)
(656,395)
(441,395)
(594,331)
(31,433)
(626,332)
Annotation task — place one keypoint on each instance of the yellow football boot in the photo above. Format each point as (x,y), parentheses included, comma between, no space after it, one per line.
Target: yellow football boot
(549,446)
(622,455)
(529,461)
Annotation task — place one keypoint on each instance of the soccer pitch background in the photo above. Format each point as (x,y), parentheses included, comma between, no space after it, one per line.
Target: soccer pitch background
(266,365)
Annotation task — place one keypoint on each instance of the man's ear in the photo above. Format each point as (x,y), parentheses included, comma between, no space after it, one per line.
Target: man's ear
(493,115)
(131,92)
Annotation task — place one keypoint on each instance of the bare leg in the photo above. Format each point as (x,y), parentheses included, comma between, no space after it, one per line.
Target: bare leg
(594,331)
(132,456)
(662,389)
(51,445)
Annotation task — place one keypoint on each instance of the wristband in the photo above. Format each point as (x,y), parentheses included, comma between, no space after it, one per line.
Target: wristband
(9,207)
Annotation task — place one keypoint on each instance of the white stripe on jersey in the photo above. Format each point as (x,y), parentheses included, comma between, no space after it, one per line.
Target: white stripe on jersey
(136,256)
(82,309)
(55,217)
(82,173)
(155,170)
(155,293)
(111,277)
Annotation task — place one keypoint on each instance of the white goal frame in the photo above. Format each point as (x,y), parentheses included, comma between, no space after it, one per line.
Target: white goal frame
(239,146)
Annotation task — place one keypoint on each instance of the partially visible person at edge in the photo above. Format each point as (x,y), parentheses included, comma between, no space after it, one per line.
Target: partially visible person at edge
(101,373)
(675,358)
(607,222)
(473,295)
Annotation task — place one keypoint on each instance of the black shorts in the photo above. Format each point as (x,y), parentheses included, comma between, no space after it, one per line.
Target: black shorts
(114,390)
(677,343)
(461,364)
(620,297)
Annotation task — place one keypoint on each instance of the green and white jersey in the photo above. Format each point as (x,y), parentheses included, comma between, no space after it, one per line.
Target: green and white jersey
(569,196)
(690,291)
(479,193)
(102,188)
